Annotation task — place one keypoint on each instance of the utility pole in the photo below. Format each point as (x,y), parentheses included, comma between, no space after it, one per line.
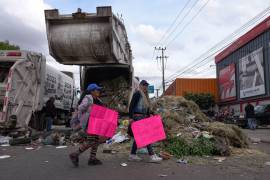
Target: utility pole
(157,92)
(162,58)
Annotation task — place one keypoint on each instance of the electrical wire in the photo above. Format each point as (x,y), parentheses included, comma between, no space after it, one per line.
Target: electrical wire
(255,19)
(174,21)
(189,22)
(182,20)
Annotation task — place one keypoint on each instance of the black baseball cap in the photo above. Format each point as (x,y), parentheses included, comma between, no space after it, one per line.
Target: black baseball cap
(144,83)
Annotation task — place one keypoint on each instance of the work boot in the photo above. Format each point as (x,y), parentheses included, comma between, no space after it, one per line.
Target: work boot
(74,157)
(94,162)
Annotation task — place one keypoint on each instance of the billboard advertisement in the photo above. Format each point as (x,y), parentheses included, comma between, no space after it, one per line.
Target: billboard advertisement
(251,74)
(227,88)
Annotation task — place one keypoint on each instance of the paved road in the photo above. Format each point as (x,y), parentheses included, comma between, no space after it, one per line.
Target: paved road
(264,135)
(49,163)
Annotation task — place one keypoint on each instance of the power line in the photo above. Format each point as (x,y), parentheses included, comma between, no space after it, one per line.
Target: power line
(182,20)
(234,35)
(174,21)
(228,38)
(255,19)
(191,68)
(179,75)
(199,64)
(189,22)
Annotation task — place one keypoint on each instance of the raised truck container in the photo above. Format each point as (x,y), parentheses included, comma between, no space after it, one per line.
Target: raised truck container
(98,43)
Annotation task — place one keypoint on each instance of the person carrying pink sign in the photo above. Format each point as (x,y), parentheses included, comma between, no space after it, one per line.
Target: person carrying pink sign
(90,97)
(140,109)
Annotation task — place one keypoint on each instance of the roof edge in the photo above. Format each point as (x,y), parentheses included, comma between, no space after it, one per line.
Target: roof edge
(244,39)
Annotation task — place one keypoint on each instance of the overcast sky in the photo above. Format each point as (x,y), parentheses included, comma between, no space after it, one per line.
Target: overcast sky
(22,23)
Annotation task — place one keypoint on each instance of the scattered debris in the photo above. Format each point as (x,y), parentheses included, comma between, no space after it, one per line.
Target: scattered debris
(54,138)
(114,152)
(182,161)
(255,140)
(162,175)
(4,140)
(220,159)
(5,156)
(120,137)
(46,161)
(5,145)
(207,135)
(123,164)
(29,148)
(165,155)
(61,147)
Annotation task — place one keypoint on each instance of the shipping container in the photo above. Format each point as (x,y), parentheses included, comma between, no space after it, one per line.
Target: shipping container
(187,85)
(170,91)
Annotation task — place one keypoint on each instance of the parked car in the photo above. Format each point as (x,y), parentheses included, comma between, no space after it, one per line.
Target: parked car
(262,114)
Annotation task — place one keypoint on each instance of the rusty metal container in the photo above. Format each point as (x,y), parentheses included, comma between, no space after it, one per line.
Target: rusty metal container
(87,38)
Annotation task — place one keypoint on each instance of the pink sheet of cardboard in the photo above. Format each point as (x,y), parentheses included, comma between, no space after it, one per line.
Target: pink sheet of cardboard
(102,121)
(148,131)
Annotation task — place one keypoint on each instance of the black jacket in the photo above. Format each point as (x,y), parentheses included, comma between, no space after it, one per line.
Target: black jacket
(249,109)
(50,110)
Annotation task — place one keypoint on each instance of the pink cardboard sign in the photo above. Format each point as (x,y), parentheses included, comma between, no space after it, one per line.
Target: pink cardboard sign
(148,131)
(102,121)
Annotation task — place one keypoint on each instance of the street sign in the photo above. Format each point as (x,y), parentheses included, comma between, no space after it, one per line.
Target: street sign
(151,89)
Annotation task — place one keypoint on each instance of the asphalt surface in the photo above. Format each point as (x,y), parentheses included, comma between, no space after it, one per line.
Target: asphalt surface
(49,163)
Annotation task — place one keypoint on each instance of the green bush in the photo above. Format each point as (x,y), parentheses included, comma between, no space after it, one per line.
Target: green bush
(203,100)
(179,147)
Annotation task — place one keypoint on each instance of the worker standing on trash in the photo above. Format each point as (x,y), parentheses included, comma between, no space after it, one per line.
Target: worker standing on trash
(89,97)
(50,113)
(139,109)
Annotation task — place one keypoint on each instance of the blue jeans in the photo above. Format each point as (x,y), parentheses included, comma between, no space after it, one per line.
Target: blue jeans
(49,121)
(252,124)
(134,146)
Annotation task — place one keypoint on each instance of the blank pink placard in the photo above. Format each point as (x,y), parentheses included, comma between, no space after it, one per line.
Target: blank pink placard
(102,121)
(148,131)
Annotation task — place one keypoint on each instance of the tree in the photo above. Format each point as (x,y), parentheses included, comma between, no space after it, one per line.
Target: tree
(6,46)
(204,100)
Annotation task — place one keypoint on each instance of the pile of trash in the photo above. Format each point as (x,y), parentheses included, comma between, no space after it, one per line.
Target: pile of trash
(184,120)
(116,93)
(54,138)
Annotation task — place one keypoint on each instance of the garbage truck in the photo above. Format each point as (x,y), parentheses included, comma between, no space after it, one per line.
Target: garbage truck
(98,43)
(26,84)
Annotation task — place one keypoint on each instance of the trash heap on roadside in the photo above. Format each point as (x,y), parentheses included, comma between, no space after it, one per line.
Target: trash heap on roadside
(187,127)
(55,138)
(188,130)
